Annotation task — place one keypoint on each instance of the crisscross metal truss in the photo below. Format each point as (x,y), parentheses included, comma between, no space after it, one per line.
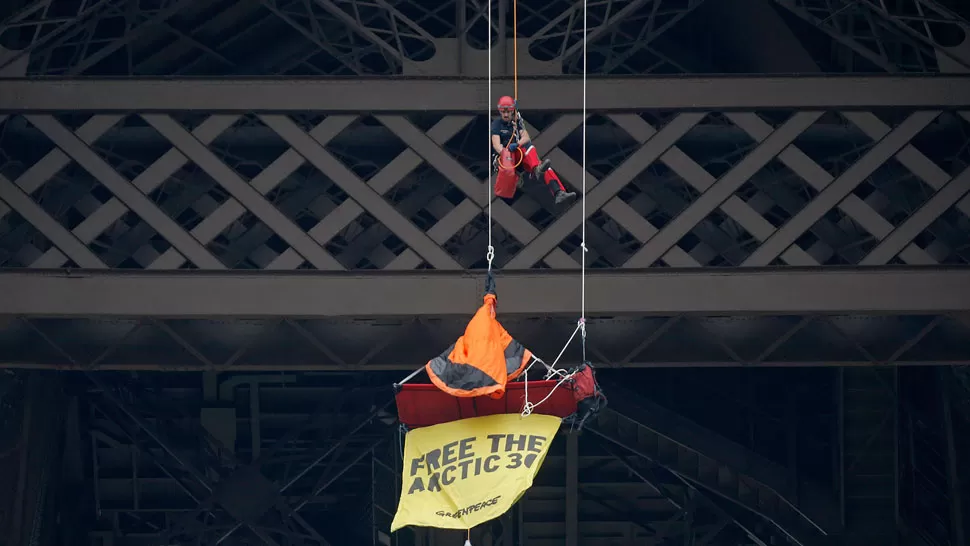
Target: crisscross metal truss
(392,37)
(405,344)
(346,37)
(345,192)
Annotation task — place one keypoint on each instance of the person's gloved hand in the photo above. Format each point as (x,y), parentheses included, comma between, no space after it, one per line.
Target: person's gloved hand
(513,146)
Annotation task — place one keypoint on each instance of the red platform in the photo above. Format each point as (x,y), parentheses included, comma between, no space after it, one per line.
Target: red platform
(422,405)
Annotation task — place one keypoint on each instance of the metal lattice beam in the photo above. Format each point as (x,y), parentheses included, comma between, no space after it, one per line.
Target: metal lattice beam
(894,36)
(617,28)
(812,187)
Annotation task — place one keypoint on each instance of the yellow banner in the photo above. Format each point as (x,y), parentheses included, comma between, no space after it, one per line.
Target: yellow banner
(458,475)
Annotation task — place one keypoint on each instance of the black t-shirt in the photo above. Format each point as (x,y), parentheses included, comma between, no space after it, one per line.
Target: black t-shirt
(505,129)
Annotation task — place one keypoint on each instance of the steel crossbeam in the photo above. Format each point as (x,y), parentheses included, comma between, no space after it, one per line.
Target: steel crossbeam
(471,95)
(228,344)
(143,294)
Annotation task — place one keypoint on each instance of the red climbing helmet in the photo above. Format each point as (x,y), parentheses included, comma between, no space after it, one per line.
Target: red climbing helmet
(506,104)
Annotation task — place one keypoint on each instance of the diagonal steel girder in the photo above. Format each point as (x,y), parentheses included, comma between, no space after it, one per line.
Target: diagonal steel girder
(660,145)
(429,147)
(137,22)
(266,181)
(505,215)
(242,191)
(160,171)
(823,18)
(599,194)
(114,209)
(327,479)
(845,21)
(621,212)
(572,37)
(358,190)
(131,33)
(194,150)
(55,160)
(953,191)
(186,465)
(651,477)
(321,454)
(900,17)
(313,422)
(689,482)
(20,201)
(125,191)
(314,34)
(474,188)
(701,180)
(840,188)
(382,182)
(893,242)
(394,48)
(721,190)
(818,178)
(35,15)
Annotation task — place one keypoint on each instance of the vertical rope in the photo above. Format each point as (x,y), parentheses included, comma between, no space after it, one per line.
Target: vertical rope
(582,318)
(515,50)
(490,252)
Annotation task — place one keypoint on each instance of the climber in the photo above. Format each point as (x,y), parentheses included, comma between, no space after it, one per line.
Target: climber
(508,131)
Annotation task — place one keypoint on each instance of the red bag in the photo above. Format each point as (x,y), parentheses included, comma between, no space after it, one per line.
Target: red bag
(589,398)
(507,179)
(584,384)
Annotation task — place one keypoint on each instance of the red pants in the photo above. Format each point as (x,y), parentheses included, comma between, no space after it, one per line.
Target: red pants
(529,163)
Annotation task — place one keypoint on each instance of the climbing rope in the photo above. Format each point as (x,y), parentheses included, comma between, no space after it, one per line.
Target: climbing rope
(490,252)
(515,53)
(582,257)
(552,371)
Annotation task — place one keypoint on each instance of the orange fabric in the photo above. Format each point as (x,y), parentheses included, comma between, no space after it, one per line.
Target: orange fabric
(526,360)
(482,346)
(492,391)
